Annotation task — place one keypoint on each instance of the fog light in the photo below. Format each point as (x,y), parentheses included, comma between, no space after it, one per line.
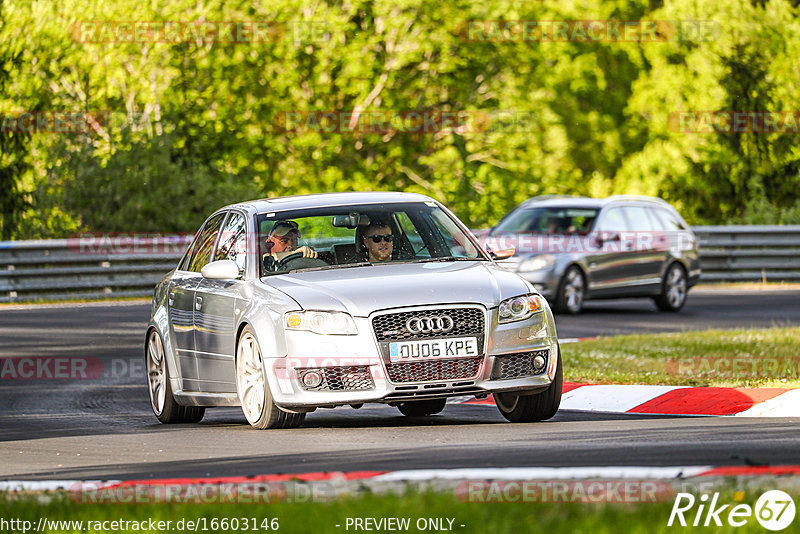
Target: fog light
(538,364)
(311,379)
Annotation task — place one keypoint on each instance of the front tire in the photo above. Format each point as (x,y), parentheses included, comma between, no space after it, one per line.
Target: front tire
(164,406)
(422,408)
(673,289)
(253,390)
(529,408)
(571,292)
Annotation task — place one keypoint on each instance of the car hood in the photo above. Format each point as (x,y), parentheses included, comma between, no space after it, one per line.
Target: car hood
(363,290)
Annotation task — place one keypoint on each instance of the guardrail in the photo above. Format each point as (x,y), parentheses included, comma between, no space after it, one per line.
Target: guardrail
(56,269)
(749,253)
(130,266)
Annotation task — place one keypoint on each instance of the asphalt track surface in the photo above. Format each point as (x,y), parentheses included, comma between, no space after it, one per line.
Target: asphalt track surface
(102,428)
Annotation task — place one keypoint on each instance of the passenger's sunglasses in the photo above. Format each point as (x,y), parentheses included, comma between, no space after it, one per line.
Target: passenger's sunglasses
(378,237)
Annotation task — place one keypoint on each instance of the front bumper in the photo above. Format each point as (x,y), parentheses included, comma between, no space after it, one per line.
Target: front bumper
(362,373)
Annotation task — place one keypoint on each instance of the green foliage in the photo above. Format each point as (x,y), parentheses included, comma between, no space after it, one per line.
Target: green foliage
(197,123)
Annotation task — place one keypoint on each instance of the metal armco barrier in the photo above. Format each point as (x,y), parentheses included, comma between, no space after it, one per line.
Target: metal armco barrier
(114,266)
(749,253)
(122,266)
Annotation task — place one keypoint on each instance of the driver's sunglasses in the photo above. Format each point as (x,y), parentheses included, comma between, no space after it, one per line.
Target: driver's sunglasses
(378,237)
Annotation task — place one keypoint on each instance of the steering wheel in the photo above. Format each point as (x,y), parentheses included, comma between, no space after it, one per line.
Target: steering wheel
(290,257)
(300,262)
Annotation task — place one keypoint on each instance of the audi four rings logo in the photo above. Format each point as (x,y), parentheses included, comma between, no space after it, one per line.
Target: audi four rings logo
(436,323)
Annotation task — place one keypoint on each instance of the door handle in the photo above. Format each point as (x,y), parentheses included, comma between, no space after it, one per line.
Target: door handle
(171,297)
(198,303)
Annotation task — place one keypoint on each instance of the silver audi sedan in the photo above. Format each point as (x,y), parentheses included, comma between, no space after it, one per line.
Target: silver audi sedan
(286,305)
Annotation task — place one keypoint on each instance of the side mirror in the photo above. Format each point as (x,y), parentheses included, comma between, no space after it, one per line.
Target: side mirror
(502,254)
(221,270)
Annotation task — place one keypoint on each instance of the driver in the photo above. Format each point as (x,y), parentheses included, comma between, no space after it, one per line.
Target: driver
(283,240)
(378,240)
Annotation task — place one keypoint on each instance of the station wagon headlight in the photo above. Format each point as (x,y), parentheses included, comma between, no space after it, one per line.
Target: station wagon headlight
(320,322)
(537,263)
(519,308)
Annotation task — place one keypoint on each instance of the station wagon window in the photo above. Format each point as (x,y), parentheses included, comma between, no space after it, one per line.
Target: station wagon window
(639,219)
(612,220)
(233,241)
(672,223)
(552,220)
(204,244)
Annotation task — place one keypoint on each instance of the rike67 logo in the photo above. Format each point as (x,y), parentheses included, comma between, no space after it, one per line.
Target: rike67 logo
(774,510)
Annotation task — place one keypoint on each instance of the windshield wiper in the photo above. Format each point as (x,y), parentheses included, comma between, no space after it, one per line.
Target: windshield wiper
(343,265)
(322,268)
(447,258)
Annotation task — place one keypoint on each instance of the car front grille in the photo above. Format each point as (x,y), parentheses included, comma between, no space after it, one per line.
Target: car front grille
(517,365)
(341,378)
(466,322)
(427,370)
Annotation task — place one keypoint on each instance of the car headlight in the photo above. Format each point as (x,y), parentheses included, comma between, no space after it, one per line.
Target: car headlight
(537,263)
(519,308)
(320,322)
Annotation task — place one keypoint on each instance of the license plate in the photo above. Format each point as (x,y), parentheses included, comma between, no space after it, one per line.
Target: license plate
(457,347)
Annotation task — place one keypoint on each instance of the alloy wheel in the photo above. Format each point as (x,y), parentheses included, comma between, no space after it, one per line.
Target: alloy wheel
(250,378)
(156,374)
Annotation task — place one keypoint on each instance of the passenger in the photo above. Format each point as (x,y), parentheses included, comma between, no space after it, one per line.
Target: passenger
(378,240)
(283,240)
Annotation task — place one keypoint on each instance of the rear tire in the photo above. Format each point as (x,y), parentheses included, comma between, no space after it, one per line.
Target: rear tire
(422,408)
(530,408)
(571,292)
(253,390)
(164,406)
(673,289)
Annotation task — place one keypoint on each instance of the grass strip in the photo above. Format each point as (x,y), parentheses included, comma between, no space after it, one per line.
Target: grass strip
(732,358)
(315,517)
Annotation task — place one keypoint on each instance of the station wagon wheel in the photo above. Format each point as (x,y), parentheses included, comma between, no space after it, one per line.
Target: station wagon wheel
(254,394)
(537,407)
(571,292)
(673,289)
(164,406)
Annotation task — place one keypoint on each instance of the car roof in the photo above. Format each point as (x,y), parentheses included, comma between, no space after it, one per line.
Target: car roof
(564,201)
(328,200)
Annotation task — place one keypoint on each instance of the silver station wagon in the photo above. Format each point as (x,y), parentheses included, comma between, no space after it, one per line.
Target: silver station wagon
(574,249)
(286,305)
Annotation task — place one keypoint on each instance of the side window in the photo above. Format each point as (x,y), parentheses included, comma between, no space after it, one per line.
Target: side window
(457,242)
(638,219)
(201,254)
(411,233)
(184,264)
(669,220)
(658,222)
(233,241)
(612,220)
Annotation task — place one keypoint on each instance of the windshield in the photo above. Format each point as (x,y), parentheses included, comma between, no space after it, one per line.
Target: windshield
(548,221)
(353,236)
